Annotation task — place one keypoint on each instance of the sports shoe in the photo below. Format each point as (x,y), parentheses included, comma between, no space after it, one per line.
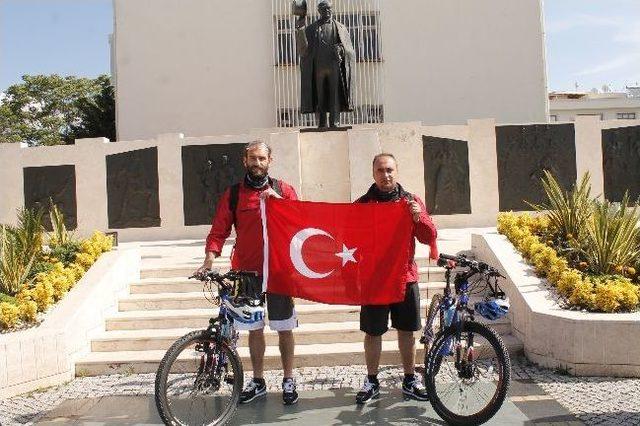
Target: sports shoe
(414,390)
(252,391)
(368,392)
(289,394)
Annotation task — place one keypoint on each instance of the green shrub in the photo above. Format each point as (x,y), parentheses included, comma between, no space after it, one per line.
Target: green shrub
(66,252)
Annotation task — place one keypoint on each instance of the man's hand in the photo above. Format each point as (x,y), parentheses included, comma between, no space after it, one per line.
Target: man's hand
(207,264)
(414,209)
(269,192)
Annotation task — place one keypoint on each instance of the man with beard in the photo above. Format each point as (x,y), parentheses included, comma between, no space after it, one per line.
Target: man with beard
(239,206)
(405,315)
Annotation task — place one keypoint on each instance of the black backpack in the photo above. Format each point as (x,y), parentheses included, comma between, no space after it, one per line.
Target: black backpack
(275,184)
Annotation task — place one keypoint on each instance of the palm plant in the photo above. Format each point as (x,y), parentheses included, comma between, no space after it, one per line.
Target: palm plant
(612,238)
(14,266)
(60,236)
(29,233)
(568,211)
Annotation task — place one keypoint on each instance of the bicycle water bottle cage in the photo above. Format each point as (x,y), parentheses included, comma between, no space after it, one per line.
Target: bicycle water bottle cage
(492,309)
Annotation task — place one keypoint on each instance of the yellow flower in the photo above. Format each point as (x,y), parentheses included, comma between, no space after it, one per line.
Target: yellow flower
(9,315)
(606,298)
(569,280)
(43,295)
(582,294)
(28,311)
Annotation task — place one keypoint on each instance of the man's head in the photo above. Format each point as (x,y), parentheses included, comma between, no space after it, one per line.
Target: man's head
(385,171)
(325,9)
(257,158)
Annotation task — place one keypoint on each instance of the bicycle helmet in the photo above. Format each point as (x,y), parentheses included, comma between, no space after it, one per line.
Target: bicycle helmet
(245,313)
(493,309)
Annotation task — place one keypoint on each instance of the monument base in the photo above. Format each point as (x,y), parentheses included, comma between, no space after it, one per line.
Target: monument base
(325,129)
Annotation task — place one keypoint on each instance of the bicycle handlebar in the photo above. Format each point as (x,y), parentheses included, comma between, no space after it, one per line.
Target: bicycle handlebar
(214,275)
(463,261)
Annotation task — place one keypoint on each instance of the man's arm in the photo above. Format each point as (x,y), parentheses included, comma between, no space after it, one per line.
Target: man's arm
(220,231)
(425,230)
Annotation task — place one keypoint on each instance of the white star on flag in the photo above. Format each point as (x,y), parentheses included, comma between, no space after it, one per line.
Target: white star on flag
(347,255)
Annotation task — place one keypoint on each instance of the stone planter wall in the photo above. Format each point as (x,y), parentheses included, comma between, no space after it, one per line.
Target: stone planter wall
(45,356)
(582,343)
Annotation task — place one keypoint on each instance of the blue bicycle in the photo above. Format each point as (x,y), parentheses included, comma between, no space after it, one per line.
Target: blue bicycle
(199,380)
(467,367)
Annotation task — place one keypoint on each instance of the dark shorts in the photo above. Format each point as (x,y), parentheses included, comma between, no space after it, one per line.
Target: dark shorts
(280,309)
(405,315)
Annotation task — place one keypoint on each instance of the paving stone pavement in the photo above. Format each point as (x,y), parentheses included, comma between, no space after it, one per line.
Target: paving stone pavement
(594,400)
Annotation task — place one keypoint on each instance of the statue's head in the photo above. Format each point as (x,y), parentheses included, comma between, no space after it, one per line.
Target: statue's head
(325,9)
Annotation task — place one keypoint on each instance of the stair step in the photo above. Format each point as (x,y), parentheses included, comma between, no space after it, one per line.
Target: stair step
(310,355)
(195,298)
(185,270)
(137,340)
(306,333)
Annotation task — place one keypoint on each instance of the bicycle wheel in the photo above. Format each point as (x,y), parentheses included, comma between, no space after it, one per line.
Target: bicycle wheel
(471,391)
(435,319)
(198,382)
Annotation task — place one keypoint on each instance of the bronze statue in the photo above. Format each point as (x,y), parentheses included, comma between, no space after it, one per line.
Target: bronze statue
(327,62)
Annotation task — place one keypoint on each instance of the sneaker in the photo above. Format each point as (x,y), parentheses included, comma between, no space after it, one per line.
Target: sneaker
(252,391)
(289,394)
(414,390)
(368,392)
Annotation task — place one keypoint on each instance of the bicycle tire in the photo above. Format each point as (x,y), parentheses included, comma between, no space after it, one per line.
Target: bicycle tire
(433,366)
(162,374)
(430,314)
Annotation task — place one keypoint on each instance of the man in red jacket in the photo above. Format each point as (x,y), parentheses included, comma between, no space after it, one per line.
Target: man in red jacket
(405,315)
(239,206)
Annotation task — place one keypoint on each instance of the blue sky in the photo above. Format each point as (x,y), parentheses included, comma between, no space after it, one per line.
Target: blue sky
(589,42)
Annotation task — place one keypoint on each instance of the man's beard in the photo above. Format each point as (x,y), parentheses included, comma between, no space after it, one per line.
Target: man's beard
(257,173)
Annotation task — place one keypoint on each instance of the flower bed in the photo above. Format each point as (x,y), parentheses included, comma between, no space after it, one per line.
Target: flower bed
(532,237)
(37,277)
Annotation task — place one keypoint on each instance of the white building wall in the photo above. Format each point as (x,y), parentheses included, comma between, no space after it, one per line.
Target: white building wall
(449,61)
(202,67)
(205,67)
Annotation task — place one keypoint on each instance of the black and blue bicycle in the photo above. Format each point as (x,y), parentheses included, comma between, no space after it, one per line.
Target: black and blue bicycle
(199,380)
(467,367)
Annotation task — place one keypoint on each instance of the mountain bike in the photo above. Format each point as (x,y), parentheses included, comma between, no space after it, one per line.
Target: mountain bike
(199,380)
(467,367)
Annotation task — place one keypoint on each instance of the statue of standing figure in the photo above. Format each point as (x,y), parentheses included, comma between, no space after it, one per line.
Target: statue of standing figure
(327,62)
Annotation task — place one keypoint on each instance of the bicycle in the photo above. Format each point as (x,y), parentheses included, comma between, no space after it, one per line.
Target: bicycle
(199,379)
(467,367)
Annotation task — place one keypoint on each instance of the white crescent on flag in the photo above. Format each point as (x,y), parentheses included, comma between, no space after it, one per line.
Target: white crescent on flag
(295,252)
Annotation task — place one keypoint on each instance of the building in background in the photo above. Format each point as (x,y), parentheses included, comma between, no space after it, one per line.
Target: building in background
(210,67)
(565,106)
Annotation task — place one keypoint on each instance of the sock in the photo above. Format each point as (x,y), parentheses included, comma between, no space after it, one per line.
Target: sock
(287,378)
(408,379)
(259,381)
(373,378)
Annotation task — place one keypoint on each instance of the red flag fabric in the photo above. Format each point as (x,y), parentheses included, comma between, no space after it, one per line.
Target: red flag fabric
(352,254)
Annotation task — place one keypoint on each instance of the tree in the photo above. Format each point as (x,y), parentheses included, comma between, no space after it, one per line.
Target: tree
(97,113)
(51,110)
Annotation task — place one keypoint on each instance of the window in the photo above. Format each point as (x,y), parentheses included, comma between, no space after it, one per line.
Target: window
(553,117)
(363,29)
(285,46)
(626,115)
(596,114)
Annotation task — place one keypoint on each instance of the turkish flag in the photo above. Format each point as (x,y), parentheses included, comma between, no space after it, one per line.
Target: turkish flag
(352,254)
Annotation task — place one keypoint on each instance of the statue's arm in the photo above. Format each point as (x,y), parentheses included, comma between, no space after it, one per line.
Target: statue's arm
(302,44)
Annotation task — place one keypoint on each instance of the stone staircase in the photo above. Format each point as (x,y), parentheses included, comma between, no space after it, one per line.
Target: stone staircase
(164,305)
